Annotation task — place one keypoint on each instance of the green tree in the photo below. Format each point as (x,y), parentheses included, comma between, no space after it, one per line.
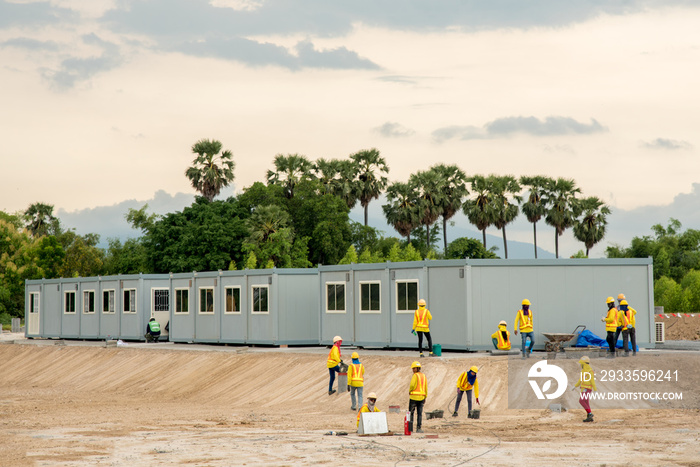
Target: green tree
(251,261)
(480,209)
(40,219)
(350,256)
(428,186)
(563,207)
(503,189)
(691,290)
(289,171)
(211,169)
(453,190)
(464,247)
(128,258)
(83,257)
(50,256)
(590,228)
(271,239)
(401,211)
(371,170)
(535,206)
(670,295)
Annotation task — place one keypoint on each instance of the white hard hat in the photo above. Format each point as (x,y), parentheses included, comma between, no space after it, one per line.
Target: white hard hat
(585,359)
(371,395)
(337,338)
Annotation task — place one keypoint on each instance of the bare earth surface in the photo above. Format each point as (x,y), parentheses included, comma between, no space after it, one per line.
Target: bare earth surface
(163,404)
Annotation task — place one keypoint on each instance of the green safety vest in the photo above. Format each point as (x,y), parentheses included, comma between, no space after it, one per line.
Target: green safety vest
(154,326)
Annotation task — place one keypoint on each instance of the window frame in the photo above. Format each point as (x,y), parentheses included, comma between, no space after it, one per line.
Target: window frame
(34,302)
(199,300)
(111,301)
(178,291)
(65,302)
(238,310)
(396,289)
(124,302)
(345,298)
(86,303)
(252,299)
(370,283)
(153,299)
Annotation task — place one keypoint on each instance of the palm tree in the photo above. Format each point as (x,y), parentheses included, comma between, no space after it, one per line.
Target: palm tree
(209,172)
(289,171)
(402,210)
(563,207)
(328,174)
(504,188)
(428,186)
(535,207)
(453,190)
(479,209)
(371,170)
(348,187)
(265,221)
(590,229)
(40,219)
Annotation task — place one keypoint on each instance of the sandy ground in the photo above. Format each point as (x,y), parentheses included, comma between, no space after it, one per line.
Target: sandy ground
(164,404)
(681,327)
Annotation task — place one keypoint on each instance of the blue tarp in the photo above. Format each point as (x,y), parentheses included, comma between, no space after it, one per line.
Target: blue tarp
(587,338)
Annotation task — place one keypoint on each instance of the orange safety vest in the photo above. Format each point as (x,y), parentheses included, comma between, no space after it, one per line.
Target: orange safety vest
(503,344)
(420,391)
(630,316)
(611,321)
(356,375)
(524,321)
(422,320)
(622,320)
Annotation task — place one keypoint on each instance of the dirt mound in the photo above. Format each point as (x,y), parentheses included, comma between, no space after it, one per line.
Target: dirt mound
(682,327)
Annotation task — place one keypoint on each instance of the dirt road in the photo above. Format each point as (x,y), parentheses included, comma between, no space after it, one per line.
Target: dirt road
(82,404)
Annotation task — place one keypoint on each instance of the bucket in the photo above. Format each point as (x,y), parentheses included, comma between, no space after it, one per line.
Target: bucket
(437,350)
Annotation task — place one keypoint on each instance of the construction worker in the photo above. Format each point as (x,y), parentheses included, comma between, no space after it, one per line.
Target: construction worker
(467,382)
(610,321)
(523,320)
(586,382)
(421,325)
(368,406)
(356,379)
(417,394)
(629,332)
(501,338)
(334,362)
(152,331)
(632,321)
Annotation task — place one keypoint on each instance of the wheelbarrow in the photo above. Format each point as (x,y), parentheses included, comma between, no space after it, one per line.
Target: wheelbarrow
(558,340)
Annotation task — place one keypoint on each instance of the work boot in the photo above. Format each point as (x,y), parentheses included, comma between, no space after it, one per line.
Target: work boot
(589,418)
(432,354)
(331,392)
(454,414)
(419,430)
(421,355)
(353,409)
(469,414)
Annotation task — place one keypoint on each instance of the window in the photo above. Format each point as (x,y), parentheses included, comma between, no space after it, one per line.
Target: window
(182,301)
(69,302)
(370,297)
(161,300)
(129,300)
(335,297)
(406,296)
(108,301)
(88,301)
(260,299)
(233,299)
(34,302)
(206,300)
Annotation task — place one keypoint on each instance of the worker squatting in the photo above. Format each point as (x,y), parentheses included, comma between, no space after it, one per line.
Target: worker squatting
(616,322)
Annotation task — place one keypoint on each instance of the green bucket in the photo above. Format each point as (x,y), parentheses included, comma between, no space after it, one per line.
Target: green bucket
(437,350)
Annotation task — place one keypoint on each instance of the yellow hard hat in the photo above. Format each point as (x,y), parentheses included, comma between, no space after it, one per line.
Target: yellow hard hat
(474,369)
(355,355)
(337,338)
(621,296)
(526,302)
(421,302)
(623,302)
(610,300)
(503,323)
(371,395)
(415,365)
(585,359)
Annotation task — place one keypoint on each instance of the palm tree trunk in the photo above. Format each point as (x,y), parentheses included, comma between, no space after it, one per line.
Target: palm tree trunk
(483,232)
(534,231)
(505,242)
(427,239)
(366,209)
(587,249)
(444,233)
(556,242)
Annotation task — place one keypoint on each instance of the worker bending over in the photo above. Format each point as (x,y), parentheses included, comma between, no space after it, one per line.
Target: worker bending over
(152,331)
(333,362)
(586,382)
(421,325)
(501,338)
(467,382)
(417,394)
(523,320)
(610,321)
(368,406)
(356,379)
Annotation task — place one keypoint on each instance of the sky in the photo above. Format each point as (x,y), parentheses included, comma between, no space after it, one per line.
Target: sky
(103,99)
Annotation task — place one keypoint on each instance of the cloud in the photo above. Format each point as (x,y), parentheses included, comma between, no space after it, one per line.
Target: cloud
(506,126)
(31,44)
(397,79)
(394,130)
(33,14)
(665,143)
(339,58)
(75,69)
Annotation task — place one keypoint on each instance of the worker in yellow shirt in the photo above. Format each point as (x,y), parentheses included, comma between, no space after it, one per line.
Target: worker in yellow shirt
(610,321)
(333,362)
(632,321)
(417,394)
(356,379)
(523,321)
(421,325)
(368,406)
(501,338)
(467,382)
(586,382)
